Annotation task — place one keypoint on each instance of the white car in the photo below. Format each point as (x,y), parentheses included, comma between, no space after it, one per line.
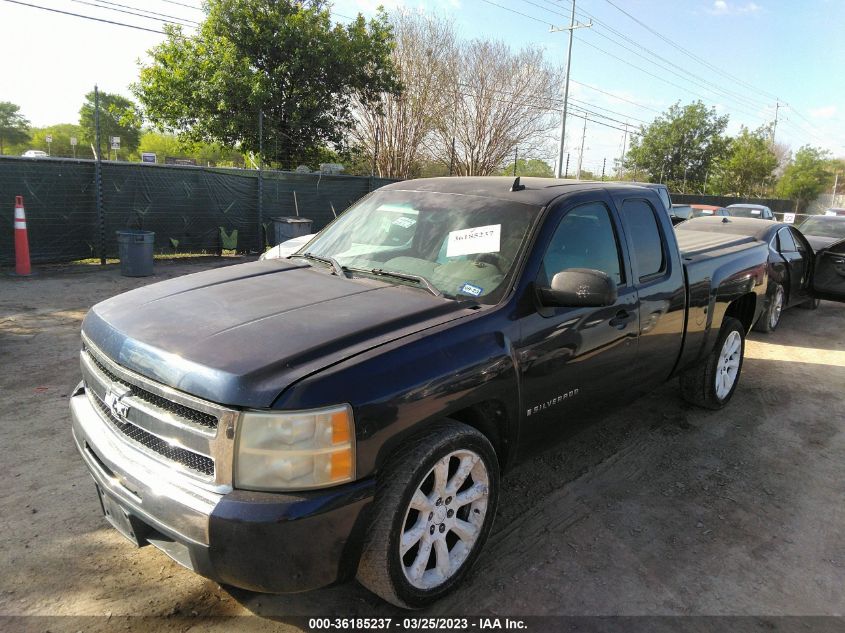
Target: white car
(288,247)
(34,153)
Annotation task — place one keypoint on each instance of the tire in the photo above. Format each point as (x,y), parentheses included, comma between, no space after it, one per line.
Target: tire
(408,488)
(811,304)
(769,320)
(712,383)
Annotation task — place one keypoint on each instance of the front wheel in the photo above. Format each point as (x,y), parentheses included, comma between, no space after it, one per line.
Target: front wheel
(712,383)
(432,513)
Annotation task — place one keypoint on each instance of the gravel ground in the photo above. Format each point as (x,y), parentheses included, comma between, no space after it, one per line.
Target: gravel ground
(662,510)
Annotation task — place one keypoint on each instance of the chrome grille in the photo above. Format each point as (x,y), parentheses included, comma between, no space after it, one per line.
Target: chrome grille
(193,461)
(180,411)
(185,433)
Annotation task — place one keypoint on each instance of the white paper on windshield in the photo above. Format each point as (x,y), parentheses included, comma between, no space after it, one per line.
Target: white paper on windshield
(405,222)
(481,239)
(755,211)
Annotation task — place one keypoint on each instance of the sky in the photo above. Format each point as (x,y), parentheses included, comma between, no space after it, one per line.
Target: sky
(740,56)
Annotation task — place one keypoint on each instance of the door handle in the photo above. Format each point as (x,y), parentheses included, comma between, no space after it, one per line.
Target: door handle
(621,319)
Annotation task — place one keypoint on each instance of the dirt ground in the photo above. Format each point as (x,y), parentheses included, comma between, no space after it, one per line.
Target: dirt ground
(662,509)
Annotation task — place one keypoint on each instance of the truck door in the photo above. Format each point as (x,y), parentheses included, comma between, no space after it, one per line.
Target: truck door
(576,360)
(797,257)
(829,273)
(658,277)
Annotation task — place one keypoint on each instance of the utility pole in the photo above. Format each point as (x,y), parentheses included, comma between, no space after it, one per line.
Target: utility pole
(515,158)
(624,147)
(835,184)
(581,153)
(775,125)
(98,177)
(566,173)
(260,205)
(603,165)
(556,29)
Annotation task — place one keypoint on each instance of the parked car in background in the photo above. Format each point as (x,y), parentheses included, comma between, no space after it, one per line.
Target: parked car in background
(679,213)
(835,212)
(704,210)
(757,211)
(823,230)
(797,276)
(34,153)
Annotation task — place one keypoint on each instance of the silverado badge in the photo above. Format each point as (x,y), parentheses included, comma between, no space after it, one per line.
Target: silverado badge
(114,402)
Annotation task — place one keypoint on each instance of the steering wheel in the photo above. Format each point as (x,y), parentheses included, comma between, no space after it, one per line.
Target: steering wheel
(493,259)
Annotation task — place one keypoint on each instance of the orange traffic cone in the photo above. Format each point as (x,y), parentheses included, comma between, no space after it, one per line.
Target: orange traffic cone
(22,266)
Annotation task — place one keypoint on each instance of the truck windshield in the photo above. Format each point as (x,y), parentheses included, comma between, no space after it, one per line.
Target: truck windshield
(465,246)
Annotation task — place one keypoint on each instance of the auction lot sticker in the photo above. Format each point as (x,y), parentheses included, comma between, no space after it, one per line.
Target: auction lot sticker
(481,239)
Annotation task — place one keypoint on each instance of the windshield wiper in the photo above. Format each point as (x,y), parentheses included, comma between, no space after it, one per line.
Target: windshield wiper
(422,281)
(331,261)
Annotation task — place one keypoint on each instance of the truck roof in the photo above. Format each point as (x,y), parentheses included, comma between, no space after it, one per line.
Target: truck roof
(537,191)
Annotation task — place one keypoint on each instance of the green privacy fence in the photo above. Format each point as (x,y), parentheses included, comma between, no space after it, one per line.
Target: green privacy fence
(191,209)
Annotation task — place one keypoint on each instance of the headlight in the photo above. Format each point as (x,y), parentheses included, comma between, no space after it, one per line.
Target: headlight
(295,450)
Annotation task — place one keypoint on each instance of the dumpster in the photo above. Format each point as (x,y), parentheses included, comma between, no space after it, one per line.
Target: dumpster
(286,228)
(135,249)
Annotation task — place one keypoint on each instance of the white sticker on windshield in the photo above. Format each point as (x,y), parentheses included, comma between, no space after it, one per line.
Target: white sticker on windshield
(755,211)
(481,239)
(405,222)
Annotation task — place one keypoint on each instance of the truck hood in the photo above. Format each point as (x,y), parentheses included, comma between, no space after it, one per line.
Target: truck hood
(239,335)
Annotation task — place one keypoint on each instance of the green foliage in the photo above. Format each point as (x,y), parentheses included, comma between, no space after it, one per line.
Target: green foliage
(119,116)
(282,57)
(14,128)
(806,177)
(679,146)
(748,168)
(60,147)
(529,167)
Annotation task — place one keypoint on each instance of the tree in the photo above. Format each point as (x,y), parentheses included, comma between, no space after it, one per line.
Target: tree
(680,146)
(61,134)
(393,132)
(529,167)
(14,128)
(284,58)
(501,100)
(806,177)
(749,165)
(119,116)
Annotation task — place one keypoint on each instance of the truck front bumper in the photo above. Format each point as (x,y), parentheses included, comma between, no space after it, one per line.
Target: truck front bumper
(269,542)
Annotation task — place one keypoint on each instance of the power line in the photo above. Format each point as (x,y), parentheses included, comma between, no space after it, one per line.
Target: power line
(182,4)
(525,15)
(615,96)
(687,52)
(663,79)
(684,73)
(140,15)
(86,17)
(163,15)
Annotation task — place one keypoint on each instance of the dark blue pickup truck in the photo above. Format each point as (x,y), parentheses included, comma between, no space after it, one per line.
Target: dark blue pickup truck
(349,411)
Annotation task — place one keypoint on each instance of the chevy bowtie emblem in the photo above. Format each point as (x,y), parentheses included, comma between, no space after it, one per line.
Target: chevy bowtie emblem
(113,401)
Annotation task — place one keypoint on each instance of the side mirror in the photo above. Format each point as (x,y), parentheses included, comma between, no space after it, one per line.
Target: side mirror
(579,287)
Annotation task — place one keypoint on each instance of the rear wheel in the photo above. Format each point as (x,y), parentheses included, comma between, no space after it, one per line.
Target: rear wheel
(712,383)
(770,318)
(433,511)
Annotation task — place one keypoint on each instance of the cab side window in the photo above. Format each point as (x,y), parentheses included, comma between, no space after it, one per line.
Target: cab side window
(644,232)
(585,238)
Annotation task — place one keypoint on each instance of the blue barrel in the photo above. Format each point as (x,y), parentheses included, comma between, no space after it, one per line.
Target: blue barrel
(136,252)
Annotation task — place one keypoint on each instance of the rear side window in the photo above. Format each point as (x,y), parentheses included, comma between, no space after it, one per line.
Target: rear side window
(644,233)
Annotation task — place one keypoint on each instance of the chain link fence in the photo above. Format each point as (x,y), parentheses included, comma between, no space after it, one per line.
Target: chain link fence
(191,209)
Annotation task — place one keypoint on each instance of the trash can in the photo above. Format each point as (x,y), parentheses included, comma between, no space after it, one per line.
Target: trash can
(287,228)
(136,252)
